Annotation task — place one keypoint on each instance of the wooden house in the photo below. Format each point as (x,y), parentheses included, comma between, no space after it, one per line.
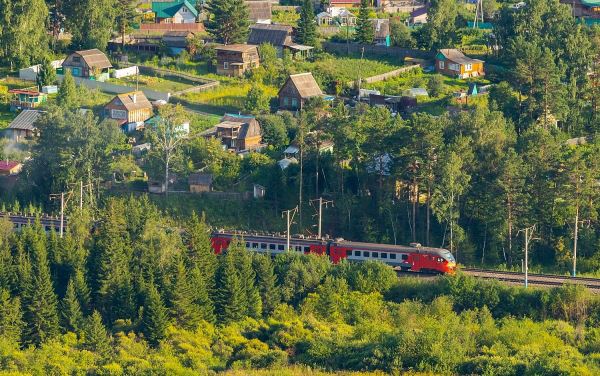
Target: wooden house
(23,126)
(239,133)
(130,110)
(235,59)
(92,64)
(297,90)
(10,168)
(280,37)
(452,62)
(200,183)
(26,99)
(175,12)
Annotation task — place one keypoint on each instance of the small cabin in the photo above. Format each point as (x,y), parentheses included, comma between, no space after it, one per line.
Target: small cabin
(235,59)
(297,90)
(452,62)
(200,183)
(92,64)
(130,110)
(26,99)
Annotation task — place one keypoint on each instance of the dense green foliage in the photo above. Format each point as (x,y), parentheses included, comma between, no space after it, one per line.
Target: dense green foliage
(228,21)
(307,25)
(137,296)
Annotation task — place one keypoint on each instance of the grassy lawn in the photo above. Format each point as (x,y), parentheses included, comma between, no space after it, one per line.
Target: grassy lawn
(162,84)
(227,97)
(347,68)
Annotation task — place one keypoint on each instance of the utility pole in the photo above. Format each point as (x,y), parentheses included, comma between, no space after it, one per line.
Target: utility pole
(290,217)
(56,196)
(478,13)
(321,203)
(528,232)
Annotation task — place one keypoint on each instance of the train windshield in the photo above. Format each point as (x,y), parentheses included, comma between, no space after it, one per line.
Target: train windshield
(448,256)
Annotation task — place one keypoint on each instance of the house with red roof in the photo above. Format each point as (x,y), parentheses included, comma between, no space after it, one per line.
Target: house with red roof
(10,168)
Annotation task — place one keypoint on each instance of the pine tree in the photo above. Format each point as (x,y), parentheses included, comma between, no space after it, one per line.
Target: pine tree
(365,32)
(155,317)
(72,317)
(67,92)
(46,75)
(184,311)
(266,281)
(41,313)
(11,323)
(113,278)
(82,291)
(252,298)
(230,295)
(228,21)
(95,336)
(307,25)
(200,252)
(125,16)
(202,297)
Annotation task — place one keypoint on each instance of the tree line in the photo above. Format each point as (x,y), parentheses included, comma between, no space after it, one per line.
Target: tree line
(144,293)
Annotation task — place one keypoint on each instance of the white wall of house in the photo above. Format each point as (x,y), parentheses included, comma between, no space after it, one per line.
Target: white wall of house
(184,15)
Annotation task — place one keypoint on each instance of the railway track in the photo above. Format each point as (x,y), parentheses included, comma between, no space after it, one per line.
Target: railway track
(541,280)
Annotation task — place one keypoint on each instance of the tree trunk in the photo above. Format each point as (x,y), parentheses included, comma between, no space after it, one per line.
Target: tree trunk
(167,157)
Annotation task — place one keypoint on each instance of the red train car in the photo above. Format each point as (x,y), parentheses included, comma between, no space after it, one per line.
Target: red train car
(407,258)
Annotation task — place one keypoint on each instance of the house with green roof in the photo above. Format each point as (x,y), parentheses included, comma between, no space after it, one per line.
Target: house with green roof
(175,12)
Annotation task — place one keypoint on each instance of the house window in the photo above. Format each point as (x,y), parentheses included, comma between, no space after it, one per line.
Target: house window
(454,67)
(118,114)
(76,59)
(286,101)
(225,65)
(442,65)
(468,67)
(294,103)
(184,10)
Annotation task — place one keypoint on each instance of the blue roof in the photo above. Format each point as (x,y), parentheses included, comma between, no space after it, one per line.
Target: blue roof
(240,116)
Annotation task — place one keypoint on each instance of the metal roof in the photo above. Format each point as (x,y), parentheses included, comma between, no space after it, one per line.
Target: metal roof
(277,35)
(457,56)
(25,120)
(167,9)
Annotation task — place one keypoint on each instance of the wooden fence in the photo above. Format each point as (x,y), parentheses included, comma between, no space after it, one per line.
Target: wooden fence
(396,52)
(385,76)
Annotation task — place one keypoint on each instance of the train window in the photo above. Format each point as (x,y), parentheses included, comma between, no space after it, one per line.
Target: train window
(298,248)
(247,245)
(366,254)
(281,247)
(263,246)
(439,259)
(255,245)
(272,247)
(384,255)
(306,249)
(375,254)
(393,256)
(357,253)
(48,228)
(404,257)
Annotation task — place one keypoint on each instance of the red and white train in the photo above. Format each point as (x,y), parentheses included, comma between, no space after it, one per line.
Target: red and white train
(407,258)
